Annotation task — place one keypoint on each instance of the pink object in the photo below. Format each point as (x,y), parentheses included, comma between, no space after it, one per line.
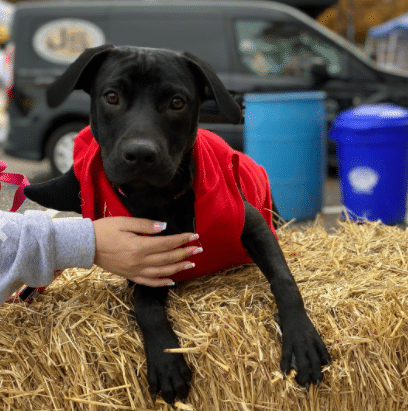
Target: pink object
(21,295)
(14,178)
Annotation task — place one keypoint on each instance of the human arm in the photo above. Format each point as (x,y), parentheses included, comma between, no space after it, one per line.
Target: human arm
(32,246)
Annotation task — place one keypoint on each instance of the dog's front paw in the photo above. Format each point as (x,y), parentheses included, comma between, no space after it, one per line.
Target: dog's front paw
(303,350)
(170,374)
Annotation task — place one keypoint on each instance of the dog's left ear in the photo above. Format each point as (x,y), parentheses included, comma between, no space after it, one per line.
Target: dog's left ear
(227,105)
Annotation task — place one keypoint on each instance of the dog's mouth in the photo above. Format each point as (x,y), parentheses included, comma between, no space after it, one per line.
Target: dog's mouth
(138,184)
(142,184)
(159,181)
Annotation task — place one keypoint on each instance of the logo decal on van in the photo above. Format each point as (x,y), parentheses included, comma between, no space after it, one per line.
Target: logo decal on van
(62,41)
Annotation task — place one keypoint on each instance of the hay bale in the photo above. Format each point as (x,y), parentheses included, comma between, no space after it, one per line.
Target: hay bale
(76,347)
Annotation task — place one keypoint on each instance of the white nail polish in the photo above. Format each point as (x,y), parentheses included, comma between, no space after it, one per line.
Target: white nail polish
(189,266)
(194,237)
(158,226)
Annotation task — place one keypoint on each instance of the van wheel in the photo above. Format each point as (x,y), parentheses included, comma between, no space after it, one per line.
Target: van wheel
(60,147)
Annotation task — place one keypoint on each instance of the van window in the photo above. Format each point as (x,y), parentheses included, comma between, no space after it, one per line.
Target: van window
(276,49)
(204,37)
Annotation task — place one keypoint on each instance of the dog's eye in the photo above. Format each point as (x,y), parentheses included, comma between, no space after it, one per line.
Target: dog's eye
(177,103)
(111,97)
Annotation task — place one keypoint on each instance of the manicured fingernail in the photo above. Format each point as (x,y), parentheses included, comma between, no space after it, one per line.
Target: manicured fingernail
(171,284)
(159,226)
(194,237)
(188,266)
(198,250)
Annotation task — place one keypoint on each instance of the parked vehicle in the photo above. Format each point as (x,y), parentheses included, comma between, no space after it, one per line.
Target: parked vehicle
(253,46)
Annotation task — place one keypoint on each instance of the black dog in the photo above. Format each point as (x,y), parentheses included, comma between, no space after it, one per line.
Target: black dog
(144,113)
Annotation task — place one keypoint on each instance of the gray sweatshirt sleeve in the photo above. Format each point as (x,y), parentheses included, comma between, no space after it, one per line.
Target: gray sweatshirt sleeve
(33,245)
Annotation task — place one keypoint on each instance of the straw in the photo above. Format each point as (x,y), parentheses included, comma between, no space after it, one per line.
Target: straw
(78,347)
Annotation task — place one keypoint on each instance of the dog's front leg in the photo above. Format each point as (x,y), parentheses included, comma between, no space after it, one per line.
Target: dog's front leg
(299,337)
(166,372)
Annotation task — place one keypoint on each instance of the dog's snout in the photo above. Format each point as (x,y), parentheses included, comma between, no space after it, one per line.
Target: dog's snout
(141,153)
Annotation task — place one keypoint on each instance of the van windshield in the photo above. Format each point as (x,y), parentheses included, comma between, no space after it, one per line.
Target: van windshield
(270,48)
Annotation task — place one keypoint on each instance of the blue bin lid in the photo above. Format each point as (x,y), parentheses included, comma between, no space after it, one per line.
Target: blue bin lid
(374,116)
(285,96)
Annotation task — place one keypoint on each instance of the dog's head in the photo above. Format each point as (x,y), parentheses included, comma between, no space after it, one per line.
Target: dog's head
(144,108)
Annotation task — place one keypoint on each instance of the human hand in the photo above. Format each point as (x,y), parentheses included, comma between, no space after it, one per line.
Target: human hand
(141,259)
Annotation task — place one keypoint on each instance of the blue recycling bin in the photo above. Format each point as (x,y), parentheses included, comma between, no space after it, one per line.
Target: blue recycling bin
(286,134)
(372,141)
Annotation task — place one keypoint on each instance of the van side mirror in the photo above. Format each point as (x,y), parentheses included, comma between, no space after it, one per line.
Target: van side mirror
(319,74)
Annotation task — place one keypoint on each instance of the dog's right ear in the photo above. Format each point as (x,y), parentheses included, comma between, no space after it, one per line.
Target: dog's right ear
(74,77)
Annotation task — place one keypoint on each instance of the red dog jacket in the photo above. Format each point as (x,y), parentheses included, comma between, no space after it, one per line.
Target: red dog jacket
(219,208)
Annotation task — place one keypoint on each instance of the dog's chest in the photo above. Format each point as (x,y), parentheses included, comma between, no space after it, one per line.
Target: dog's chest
(179,214)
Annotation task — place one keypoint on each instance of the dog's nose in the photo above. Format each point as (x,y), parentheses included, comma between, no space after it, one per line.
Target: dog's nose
(141,153)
